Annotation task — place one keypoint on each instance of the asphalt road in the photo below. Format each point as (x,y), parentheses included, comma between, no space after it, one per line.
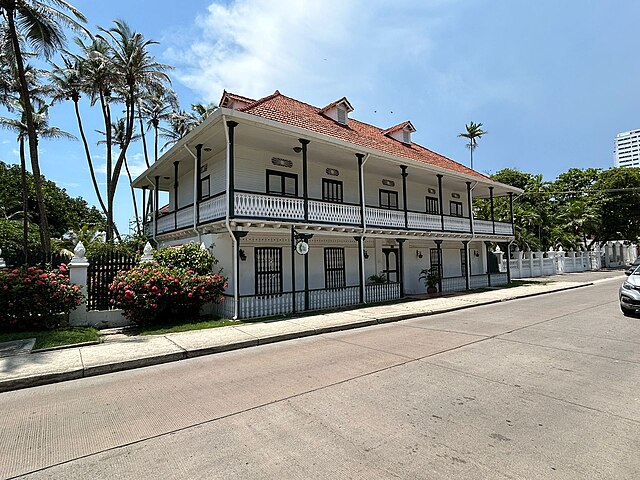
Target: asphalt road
(545,387)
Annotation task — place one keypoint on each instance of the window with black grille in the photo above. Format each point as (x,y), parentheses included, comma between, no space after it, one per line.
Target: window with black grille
(331,190)
(455,208)
(334,271)
(435,261)
(432,205)
(268,270)
(388,199)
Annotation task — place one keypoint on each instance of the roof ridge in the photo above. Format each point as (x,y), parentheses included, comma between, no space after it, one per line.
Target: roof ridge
(260,101)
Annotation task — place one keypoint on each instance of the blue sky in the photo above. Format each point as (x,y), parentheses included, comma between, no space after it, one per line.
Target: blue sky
(552,81)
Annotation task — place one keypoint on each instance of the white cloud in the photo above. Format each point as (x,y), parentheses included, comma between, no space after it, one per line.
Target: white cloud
(135,161)
(313,50)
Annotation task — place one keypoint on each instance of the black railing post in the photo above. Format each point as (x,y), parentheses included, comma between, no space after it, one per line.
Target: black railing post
(238,235)
(144,205)
(441,201)
(232,185)
(360,267)
(293,269)
(156,199)
(508,250)
(404,194)
(488,252)
(175,194)
(511,212)
(360,157)
(305,177)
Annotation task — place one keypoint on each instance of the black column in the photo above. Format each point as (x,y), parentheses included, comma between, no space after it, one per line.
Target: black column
(175,194)
(439,247)
(360,267)
(508,250)
(238,235)
(144,205)
(467,260)
(198,181)
(511,211)
(401,264)
(404,194)
(360,157)
(470,207)
(441,201)
(493,220)
(232,185)
(156,199)
(305,177)
(293,270)
(488,252)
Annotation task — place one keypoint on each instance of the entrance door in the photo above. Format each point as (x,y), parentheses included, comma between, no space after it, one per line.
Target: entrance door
(391,264)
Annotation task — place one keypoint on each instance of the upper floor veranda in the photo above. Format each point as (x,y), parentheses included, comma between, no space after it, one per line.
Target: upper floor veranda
(243,168)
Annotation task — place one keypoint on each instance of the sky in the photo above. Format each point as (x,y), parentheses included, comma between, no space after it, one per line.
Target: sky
(551,81)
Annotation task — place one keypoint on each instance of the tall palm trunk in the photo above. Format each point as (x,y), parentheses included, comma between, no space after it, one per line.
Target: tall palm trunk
(88,155)
(133,196)
(25,203)
(32,135)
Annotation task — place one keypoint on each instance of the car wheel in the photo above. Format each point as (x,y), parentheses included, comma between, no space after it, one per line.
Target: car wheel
(627,312)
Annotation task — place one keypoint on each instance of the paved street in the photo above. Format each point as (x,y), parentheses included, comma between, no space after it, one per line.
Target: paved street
(543,387)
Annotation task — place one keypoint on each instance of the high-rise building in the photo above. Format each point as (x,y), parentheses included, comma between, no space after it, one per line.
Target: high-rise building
(626,149)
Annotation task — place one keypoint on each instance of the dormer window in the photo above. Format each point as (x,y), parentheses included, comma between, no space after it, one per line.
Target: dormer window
(401,132)
(338,111)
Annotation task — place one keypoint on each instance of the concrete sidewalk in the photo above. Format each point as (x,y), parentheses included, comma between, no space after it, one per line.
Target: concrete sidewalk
(127,352)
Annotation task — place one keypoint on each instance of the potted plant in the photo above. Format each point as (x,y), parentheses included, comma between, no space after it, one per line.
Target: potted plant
(377,279)
(431,278)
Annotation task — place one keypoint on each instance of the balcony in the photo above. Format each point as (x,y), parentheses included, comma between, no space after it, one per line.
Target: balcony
(260,206)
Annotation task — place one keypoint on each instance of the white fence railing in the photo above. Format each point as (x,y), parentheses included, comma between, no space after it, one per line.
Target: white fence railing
(166,223)
(213,208)
(382,292)
(423,221)
(339,213)
(456,224)
(268,206)
(382,217)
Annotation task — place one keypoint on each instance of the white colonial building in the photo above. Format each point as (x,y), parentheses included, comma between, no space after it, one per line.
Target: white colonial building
(307,208)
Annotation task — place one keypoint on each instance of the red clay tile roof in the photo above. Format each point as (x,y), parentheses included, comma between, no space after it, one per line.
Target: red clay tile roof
(283,109)
(226,96)
(333,104)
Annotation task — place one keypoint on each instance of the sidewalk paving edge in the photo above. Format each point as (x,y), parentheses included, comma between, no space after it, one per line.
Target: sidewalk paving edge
(49,378)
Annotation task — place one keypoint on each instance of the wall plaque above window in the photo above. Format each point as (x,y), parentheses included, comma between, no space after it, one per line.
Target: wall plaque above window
(432,191)
(388,183)
(204,168)
(282,162)
(455,195)
(333,172)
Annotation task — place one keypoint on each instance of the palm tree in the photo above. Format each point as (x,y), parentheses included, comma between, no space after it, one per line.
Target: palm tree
(118,137)
(43,130)
(41,22)
(473,133)
(159,105)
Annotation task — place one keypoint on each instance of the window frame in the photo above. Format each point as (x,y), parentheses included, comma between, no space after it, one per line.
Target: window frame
(259,288)
(389,194)
(463,262)
(435,260)
(206,179)
(339,188)
(459,211)
(435,201)
(335,275)
(283,176)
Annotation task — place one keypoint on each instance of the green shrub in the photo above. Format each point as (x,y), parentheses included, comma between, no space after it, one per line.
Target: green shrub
(152,293)
(187,257)
(32,298)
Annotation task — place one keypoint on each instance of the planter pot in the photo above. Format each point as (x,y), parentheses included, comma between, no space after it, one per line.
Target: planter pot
(432,290)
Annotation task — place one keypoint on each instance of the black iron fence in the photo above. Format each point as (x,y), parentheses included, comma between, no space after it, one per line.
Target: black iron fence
(102,269)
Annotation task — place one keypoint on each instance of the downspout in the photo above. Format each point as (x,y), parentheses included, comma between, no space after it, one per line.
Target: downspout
(234,241)
(364,227)
(195,193)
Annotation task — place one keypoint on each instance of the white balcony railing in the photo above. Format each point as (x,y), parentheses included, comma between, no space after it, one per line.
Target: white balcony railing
(184,217)
(456,224)
(265,206)
(213,208)
(503,228)
(423,221)
(381,217)
(165,223)
(340,213)
(483,226)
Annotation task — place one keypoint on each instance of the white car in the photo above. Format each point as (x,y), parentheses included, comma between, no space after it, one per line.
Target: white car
(630,293)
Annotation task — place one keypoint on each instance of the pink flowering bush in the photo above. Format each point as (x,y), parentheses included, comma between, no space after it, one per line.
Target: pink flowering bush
(154,293)
(33,298)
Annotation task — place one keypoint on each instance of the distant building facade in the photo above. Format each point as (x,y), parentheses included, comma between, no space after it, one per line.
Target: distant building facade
(627,149)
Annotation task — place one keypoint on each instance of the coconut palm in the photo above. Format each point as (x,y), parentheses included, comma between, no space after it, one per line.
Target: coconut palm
(473,133)
(119,139)
(41,23)
(43,130)
(158,106)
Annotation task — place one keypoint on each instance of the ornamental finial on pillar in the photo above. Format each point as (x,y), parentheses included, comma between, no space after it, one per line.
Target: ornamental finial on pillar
(78,254)
(147,253)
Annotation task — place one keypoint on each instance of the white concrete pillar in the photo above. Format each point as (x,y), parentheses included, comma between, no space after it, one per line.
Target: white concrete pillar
(78,275)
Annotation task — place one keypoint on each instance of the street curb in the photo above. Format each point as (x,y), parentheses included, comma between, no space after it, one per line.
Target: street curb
(39,380)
